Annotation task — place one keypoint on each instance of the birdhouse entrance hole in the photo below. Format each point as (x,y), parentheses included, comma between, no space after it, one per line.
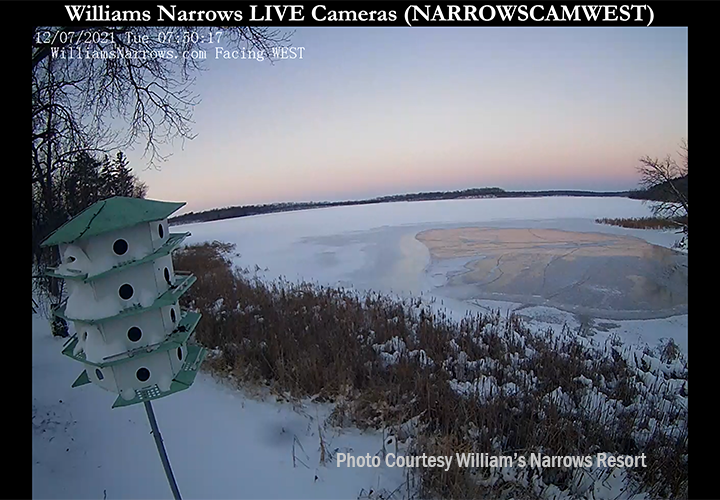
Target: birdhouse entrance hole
(126,291)
(143,374)
(134,334)
(120,246)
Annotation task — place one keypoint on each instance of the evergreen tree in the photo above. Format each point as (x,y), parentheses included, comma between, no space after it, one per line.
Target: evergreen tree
(107,187)
(82,185)
(140,189)
(123,178)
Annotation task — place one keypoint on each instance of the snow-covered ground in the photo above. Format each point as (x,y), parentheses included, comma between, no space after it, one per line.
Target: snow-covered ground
(220,442)
(223,443)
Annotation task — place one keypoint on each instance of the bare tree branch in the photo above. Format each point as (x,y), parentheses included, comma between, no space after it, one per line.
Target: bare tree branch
(663,179)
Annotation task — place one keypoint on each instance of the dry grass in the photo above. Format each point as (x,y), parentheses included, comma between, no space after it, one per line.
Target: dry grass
(645,222)
(485,384)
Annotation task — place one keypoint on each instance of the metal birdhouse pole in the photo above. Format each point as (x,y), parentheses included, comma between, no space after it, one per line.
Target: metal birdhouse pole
(161,450)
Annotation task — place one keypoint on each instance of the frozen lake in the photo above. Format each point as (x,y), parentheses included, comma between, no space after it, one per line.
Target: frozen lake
(544,257)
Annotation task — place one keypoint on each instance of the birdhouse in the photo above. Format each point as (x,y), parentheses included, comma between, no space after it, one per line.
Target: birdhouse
(123,291)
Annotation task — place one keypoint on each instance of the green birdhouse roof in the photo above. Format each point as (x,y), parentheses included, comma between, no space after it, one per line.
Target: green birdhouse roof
(108,215)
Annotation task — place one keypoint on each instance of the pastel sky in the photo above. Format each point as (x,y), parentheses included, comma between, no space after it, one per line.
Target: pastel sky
(376,111)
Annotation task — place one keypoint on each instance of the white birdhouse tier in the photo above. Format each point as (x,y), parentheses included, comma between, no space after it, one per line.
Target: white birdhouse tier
(123,296)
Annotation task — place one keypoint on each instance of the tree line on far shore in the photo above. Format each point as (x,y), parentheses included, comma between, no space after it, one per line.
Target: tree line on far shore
(491,192)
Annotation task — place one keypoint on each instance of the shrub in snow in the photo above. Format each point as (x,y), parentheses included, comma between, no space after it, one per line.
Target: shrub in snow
(483,384)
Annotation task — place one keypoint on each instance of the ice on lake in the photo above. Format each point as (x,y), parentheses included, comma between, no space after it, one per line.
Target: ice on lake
(477,255)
